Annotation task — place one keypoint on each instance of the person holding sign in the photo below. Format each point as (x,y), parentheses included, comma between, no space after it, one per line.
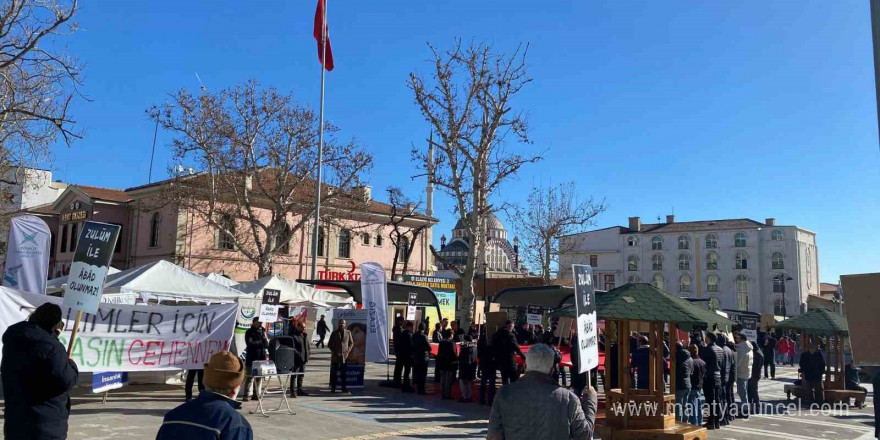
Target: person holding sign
(257,350)
(37,377)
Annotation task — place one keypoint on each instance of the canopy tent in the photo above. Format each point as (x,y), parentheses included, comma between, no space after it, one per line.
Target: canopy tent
(163,280)
(816,322)
(220,279)
(56,285)
(294,293)
(549,297)
(397,292)
(644,302)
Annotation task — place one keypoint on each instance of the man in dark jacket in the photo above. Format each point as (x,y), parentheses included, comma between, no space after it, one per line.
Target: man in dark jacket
(641,360)
(525,336)
(257,350)
(467,368)
(447,365)
(403,353)
(340,345)
(684,369)
(214,414)
(396,333)
(696,397)
(770,355)
(813,367)
(302,351)
(505,350)
(421,351)
(730,403)
(322,330)
(37,377)
(487,369)
(716,363)
(757,364)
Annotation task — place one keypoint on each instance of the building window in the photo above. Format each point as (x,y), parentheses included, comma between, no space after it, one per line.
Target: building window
(609,282)
(657,262)
(344,243)
(366,239)
(684,262)
(283,245)
(777,307)
(594,260)
(742,262)
(712,283)
(595,279)
(51,245)
(711,241)
(684,283)
(657,243)
(321,240)
(714,303)
(778,262)
(379,240)
(226,229)
(633,279)
(658,281)
(712,261)
(809,264)
(154,229)
(404,249)
(118,248)
(739,240)
(684,242)
(64,238)
(73,236)
(632,241)
(632,263)
(777,235)
(779,283)
(742,292)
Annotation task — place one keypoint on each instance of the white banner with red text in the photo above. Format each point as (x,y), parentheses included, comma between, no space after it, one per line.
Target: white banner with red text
(134,337)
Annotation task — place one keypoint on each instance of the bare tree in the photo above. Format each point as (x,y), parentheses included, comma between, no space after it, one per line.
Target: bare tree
(549,214)
(38,81)
(403,235)
(468,101)
(256,155)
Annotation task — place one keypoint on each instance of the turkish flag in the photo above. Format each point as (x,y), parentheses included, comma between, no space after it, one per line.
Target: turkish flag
(320,25)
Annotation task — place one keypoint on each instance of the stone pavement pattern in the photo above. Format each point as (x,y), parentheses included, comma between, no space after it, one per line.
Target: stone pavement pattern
(135,413)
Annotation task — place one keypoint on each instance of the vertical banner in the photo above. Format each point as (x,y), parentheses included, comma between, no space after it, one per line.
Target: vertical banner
(356,322)
(411,307)
(248,309)
(94,250)
(374,294)
(27,255)
(271,304)
(585,304)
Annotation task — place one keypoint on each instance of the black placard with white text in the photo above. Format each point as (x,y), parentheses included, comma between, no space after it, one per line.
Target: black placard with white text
(91,260)
(585,305)
(269,307)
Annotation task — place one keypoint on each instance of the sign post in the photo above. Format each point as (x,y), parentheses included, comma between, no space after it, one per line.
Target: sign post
(585,305)
(411,307)
(271,304)
(85,283)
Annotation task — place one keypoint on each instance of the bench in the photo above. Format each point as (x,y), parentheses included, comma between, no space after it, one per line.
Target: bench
(843,396)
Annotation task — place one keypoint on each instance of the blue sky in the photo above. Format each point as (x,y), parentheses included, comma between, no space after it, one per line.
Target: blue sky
(714,109)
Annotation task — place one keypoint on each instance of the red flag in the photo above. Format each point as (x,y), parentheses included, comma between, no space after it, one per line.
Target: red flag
(320,25)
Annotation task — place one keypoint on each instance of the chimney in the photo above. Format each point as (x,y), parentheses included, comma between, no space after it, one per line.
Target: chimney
(770,222)
(635,224)
(364,192)
(670,219)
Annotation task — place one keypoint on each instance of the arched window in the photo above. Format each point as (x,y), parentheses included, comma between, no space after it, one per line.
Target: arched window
(739,240)
(684,242)
(742,292)
(712,261)
(779,283)
(684,262)
(684,283)
(711,241)
(366,239)
(154,229)
(632,241)
(225,232)
(379,239)
(344,243)
(657,243)
(284,240)
(742,262)
(632,263)
(658,281)
(714,303)
(633,279)
(777,235)
(404,249)
(778,262)
(322,238)
(712,283)
(657,262)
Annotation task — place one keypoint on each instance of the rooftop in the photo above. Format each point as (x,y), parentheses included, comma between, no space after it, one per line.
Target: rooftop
(112,195)
(700,225)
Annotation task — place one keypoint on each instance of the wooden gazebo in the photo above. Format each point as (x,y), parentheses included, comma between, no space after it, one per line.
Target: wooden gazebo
(832,327)
(647,413)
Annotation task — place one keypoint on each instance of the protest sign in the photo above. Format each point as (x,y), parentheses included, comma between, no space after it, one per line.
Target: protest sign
(106,381)
(861,293)
(269,307)
(411,307)
(585,305)
(94,249)
(356,323)
(534,314)
(133,338)
(27,254)
(374,292)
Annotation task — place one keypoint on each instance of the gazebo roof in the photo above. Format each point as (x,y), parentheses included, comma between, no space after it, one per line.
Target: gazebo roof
(644,302)
(816,322)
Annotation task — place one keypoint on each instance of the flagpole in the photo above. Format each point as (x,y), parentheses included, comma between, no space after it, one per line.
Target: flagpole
(318,181)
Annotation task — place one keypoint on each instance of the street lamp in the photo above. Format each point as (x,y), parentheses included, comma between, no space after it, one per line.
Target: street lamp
(785,279)
(515,253)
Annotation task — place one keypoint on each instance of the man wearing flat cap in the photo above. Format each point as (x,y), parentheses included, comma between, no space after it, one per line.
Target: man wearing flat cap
(213,415)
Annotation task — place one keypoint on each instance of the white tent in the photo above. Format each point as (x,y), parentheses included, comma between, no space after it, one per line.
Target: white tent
(292,293)
(220,279)
(57,284)
(163,280)
(332,299)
